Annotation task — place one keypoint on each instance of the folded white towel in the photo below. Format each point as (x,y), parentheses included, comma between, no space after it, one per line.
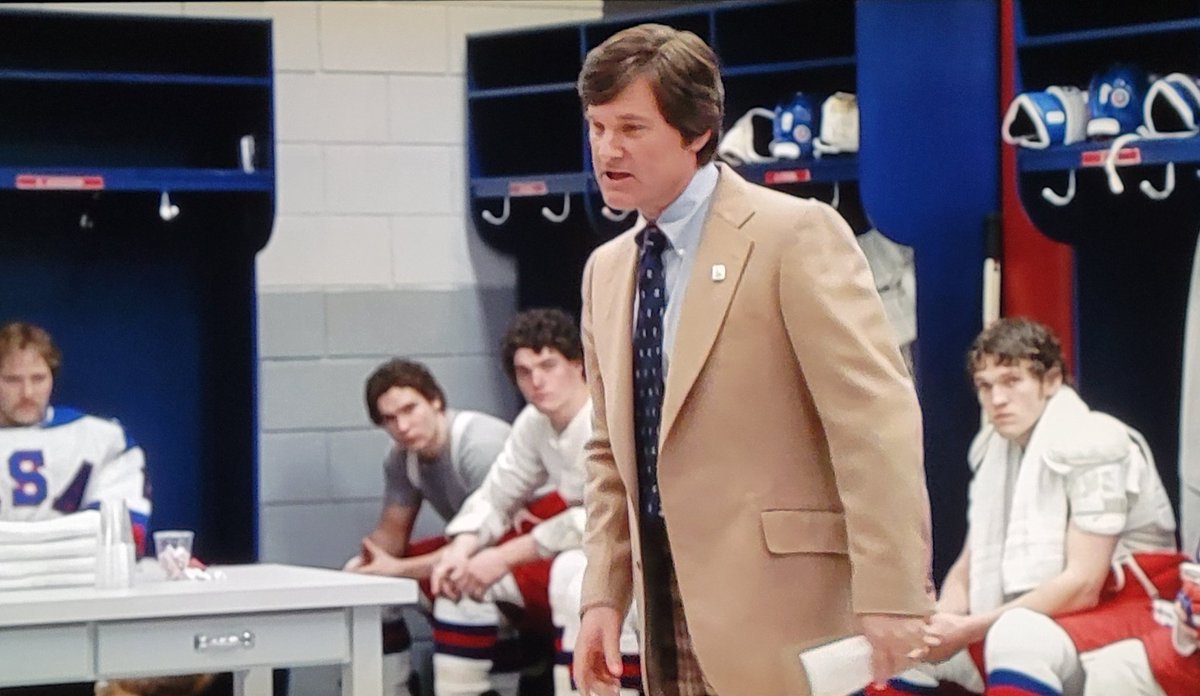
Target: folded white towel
(54,580)
(78,524)
(16,570)
(75,547)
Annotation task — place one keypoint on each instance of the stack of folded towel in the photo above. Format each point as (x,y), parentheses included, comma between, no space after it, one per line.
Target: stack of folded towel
(52,553)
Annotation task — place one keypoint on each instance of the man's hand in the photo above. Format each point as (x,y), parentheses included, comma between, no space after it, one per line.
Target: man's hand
(451,568)
(482,571)
(355,562)
(376,561)
(896,643)
(364,555)
(953,632)
(597,664)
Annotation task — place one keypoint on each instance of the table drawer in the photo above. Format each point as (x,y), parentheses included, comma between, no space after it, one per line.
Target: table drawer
(45,654)
(201,644)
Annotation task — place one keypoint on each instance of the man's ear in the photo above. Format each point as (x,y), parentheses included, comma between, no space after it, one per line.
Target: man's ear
(1052,380)
(699,142)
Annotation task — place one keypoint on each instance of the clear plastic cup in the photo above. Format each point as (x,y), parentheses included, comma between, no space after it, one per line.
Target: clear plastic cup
(173,547)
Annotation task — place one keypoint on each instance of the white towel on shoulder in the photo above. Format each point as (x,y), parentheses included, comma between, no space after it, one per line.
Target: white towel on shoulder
(1016,550)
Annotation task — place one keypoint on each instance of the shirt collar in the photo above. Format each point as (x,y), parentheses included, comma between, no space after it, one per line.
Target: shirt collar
(674,220)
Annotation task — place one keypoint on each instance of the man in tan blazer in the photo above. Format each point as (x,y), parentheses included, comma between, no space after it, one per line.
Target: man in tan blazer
(771,496)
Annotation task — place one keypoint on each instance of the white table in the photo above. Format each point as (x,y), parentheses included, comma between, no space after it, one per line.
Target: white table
(258,617)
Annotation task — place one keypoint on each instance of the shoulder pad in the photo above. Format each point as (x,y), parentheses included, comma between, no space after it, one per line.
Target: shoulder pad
(1090,440)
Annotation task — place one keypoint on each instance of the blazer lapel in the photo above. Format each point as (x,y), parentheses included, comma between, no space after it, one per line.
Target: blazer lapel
(718,267)
(615,353)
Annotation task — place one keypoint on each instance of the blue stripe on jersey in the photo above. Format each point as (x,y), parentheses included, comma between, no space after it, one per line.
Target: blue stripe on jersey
(135,518)
(62,415)
(72,496)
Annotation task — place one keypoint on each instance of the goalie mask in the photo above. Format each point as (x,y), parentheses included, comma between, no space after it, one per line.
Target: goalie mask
(1056,116)
(1115,99)
(795,126)
(1172,106)
(749,140)
(839,125)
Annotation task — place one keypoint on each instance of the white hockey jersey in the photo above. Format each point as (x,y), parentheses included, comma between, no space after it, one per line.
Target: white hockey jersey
(69,462)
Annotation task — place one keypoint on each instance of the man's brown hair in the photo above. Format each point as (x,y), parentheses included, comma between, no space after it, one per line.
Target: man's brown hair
(1013,339)
(683,74)
(398,372)
(19,335)
(536,329)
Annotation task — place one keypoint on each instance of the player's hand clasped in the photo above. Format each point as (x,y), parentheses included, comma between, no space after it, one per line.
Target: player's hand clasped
(897,642)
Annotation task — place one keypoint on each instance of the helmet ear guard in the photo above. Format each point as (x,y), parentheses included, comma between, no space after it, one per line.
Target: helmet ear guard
(1057,115)
(839,125)
(749,140)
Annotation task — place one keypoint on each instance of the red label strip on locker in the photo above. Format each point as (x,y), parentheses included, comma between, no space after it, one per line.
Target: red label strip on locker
(60,182)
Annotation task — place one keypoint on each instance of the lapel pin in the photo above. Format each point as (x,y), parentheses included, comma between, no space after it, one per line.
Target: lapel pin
(718,272)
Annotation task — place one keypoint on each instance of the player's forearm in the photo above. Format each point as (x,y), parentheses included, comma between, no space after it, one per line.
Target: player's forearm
(1064,593)
(955,595)
(388,542)
(419,567)
(518,551)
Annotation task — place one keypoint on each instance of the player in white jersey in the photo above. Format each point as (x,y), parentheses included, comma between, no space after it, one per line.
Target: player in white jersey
(53,460)
(56,461)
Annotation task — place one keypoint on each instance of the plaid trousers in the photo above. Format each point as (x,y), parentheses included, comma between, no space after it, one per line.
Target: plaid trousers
(668,639)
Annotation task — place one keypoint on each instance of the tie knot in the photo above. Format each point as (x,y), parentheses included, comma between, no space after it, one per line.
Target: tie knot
(652,239)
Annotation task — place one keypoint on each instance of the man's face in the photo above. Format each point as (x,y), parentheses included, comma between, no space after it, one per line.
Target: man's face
(1013,397)
(548,380)
(640,161)
(411,419)
(25,385)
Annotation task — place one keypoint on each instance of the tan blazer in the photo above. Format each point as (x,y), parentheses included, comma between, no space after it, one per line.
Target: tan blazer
(790,460)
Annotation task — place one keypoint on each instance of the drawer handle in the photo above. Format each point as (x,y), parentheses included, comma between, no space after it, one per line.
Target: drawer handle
(204,642)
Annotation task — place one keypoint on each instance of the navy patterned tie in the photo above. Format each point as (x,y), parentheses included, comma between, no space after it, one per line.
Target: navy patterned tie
(648,364)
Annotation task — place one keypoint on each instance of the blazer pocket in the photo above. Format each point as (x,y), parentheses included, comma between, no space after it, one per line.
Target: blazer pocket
(804,531)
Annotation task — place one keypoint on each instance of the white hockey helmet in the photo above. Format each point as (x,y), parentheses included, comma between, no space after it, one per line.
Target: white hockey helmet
(839,125)
(1055,116)
(1172,106)
(748,141)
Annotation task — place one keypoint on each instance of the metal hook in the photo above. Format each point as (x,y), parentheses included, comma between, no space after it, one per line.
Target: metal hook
(614,215)
(1060,199)
(1110,162)
(1167,189)
(498,219)
(558,217)
(167,210)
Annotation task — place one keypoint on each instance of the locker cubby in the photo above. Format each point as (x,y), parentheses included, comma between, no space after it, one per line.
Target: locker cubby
(1131,251)
(520,59)
(779,33)
(527,134)
(699,23)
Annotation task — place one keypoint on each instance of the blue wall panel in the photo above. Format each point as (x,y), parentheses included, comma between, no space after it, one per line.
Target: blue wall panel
(929,168)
